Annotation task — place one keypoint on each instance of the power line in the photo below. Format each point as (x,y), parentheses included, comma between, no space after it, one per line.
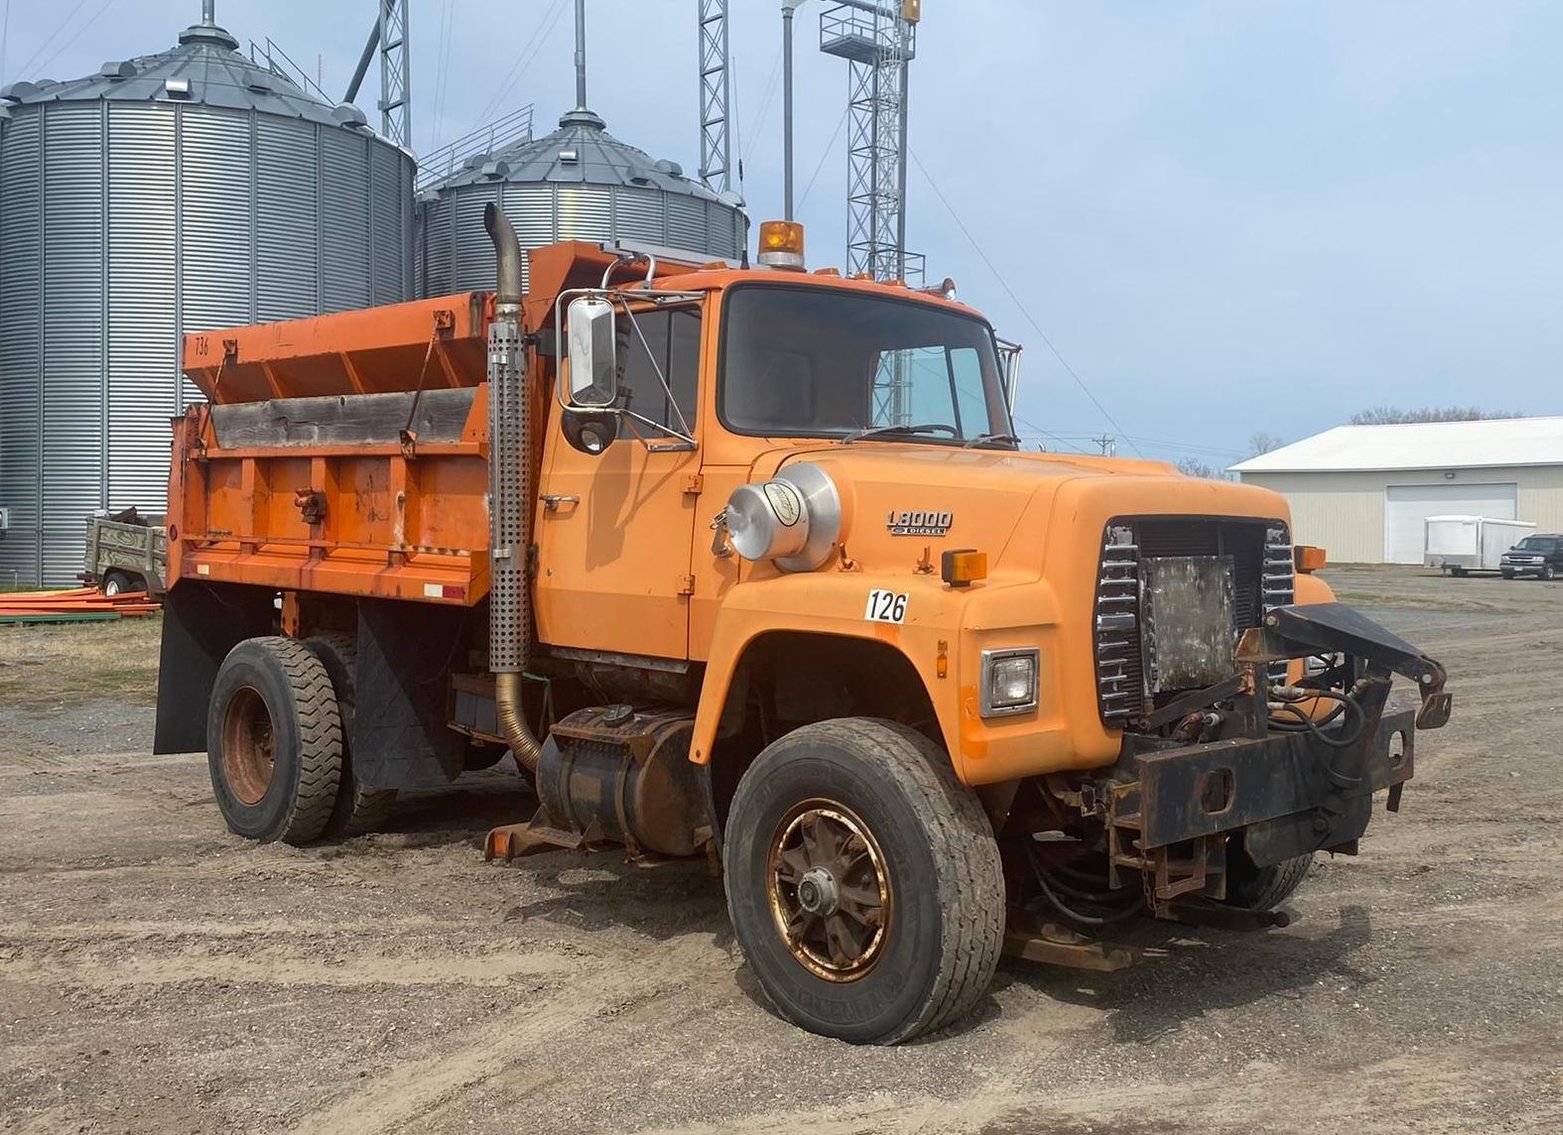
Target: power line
(442,74)
(544,28)
(77,35)
(25,68)
(1015,299)
(5,37)
(765,105)
(824,157)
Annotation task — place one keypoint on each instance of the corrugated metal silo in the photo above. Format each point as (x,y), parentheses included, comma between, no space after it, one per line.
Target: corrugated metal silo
(175,192)
(578,183)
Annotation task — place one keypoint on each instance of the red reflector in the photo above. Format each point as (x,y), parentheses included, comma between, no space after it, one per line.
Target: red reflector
(451,591)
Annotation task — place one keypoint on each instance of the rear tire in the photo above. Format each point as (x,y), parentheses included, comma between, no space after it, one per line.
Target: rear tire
(1262,888)
(864,882)
(274,741)
(359,809)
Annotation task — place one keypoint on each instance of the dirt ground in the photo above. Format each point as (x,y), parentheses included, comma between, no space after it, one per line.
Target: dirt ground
(159,974)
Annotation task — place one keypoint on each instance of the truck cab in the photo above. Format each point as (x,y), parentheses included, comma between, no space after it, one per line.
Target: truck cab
(747,563)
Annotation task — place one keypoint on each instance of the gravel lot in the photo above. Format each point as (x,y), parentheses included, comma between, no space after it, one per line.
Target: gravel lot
(157,974)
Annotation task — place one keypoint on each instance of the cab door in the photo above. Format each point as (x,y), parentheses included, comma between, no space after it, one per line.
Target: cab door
(614,530)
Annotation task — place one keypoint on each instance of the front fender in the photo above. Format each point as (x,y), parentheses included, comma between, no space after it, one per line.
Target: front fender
(835,605)
(944,634)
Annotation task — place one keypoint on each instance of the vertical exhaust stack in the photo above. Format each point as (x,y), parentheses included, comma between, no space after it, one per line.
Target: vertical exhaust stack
(510,496)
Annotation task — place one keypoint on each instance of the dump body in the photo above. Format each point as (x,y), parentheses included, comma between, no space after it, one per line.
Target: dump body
(344,454)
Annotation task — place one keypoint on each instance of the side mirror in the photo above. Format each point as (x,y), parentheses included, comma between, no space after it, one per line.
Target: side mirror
(590,431)
(594,363)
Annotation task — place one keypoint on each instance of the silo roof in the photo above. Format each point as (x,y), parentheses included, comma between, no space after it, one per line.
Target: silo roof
(205,68)
(581,151)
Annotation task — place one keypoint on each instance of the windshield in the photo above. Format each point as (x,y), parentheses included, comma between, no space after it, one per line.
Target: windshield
(1540,544)
(816,362)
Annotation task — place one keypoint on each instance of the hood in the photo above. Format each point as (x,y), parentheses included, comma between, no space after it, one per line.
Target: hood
(902,500)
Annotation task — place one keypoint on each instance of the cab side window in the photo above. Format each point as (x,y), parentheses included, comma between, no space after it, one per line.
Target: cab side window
(671,337)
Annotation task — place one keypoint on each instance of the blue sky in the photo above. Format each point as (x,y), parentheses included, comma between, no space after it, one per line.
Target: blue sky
(1227,217)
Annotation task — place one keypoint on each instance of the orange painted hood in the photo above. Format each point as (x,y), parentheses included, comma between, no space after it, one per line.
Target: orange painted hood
(1001,502)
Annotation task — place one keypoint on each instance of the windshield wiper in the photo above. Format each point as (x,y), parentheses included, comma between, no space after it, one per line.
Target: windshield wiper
(989,439)
(883,431)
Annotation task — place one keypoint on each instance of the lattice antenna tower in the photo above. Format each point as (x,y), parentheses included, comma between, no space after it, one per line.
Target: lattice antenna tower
(395,73)
(879,43)
(716,145)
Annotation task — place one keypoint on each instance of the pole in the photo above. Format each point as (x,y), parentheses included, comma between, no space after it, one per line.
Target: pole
(363,63)
(900,204)
(580,54)
(787,103)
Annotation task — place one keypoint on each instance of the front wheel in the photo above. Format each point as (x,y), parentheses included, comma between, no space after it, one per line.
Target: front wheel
(1262,888)
(864,882)
(1507,574)
(1548,572)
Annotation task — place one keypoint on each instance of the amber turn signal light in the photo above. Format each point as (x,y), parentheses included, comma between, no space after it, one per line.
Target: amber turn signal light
(1308,559)
(961,567)
(781,244)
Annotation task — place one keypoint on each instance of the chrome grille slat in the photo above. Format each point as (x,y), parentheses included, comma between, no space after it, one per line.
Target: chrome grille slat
(1262,556)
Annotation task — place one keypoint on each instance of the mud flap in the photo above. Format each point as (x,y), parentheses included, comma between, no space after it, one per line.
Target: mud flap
(401,735)
(202,622)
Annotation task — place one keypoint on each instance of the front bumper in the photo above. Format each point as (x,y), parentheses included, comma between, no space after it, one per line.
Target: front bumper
(1288,794)
(1521,569)
(1172,808)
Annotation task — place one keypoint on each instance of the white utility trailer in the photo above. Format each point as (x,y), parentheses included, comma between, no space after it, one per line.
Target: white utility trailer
(1460,544)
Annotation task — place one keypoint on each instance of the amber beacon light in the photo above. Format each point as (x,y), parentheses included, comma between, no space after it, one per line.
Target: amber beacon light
(781,245)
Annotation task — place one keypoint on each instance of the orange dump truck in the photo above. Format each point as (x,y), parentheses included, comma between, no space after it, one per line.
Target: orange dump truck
(744,563)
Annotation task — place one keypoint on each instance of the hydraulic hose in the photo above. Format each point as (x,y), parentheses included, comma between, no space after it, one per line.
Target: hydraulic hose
(510,497)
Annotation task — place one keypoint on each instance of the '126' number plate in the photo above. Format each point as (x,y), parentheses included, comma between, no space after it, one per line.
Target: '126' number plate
(885,607)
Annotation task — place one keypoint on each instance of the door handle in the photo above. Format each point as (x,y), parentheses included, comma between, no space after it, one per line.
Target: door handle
(554,501)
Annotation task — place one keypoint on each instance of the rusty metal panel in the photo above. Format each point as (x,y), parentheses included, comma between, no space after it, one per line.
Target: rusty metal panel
(1190,621)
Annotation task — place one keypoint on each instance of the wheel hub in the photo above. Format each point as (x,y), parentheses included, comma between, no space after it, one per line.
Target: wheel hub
(248,746)
(829,890)
(817,892)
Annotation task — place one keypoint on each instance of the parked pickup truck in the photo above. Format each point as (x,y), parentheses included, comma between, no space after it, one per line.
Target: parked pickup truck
(126,552)
(1540,556)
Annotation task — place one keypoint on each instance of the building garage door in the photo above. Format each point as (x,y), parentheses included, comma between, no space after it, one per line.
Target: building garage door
(1407,506)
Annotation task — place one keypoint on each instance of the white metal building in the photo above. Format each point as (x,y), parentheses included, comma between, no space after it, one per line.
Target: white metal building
(1363,492)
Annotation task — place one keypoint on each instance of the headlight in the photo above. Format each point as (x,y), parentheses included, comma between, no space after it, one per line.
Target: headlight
(1009,681)
(794,519)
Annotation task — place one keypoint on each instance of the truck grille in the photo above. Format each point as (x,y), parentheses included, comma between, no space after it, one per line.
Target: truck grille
(1261,553)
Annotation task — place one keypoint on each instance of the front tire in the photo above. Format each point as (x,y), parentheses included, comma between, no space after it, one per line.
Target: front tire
(864,882)
(1262,888)
(1548,572)
(274,741)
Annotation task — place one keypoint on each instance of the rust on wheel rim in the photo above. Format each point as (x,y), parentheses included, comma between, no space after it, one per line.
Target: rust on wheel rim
(829,890)
(248,740)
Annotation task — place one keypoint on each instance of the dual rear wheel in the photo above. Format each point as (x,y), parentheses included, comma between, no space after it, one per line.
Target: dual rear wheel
(277,742)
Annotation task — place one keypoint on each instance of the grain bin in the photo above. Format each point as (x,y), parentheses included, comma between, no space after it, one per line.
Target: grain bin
(578,183)
(174,192)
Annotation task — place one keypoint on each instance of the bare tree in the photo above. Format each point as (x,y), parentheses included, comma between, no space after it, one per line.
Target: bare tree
(1263,443)
(1194,467)
(1391,416)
